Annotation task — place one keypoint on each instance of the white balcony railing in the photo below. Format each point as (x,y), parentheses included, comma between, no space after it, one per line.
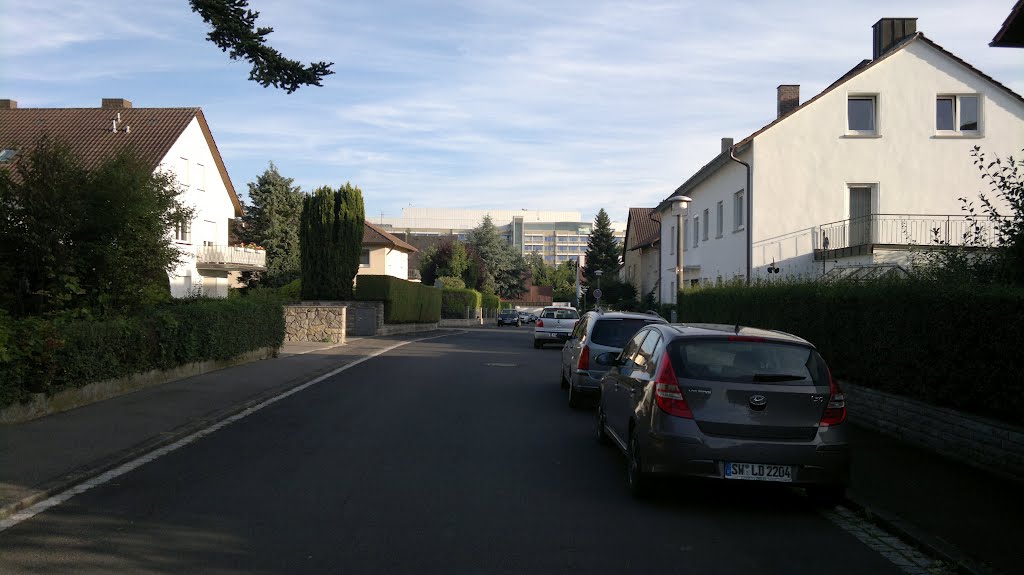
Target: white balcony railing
(231,258)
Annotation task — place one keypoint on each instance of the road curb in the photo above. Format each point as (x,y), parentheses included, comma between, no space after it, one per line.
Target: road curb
(934,546)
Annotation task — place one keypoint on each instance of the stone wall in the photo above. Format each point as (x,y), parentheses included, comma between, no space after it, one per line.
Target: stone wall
(991,445)
(462,322)
(315,321)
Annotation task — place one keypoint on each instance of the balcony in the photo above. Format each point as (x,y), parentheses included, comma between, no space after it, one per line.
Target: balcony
(231,258)
(863,235)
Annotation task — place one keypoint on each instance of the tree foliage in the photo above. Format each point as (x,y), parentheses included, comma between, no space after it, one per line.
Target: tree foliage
(272,221)
(234,31)
(93,241)
(447,259)
(505,266)
(331,239)
(602,250)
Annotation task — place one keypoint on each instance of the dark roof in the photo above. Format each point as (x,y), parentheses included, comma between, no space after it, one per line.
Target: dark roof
(724,157)
(87,132)
(1011,34)
(376,236)
(641,229)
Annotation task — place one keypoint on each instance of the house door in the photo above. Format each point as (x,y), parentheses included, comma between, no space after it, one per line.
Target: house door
(860,215)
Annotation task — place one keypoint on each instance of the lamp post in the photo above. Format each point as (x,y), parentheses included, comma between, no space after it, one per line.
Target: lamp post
(679,204)
(597,292)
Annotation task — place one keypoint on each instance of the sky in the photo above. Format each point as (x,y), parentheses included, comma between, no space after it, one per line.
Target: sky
(484,104)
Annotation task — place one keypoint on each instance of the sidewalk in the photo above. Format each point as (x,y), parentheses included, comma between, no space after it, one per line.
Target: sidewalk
(45,456)
(952,510)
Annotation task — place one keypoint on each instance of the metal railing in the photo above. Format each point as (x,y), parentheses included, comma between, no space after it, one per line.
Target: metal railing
(231,257)
(907,229)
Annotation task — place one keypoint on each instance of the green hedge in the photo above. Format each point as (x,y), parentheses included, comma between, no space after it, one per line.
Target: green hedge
(455,301)
(404,301)
(955,346)
(49,355)
(490,301)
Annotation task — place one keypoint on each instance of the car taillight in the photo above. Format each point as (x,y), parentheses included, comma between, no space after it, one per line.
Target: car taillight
(584,362)
(667,393)
(540,323)
(835,411)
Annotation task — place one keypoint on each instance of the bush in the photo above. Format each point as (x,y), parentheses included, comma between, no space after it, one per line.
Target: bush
(948,345)
(490,301)
(291,291)
(50,355)
(455,301)
(404,301)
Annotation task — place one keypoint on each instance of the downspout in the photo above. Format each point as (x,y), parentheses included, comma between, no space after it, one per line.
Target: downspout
(749,214)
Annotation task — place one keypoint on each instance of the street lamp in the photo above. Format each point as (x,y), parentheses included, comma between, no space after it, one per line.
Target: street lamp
(597,295)
(679,203)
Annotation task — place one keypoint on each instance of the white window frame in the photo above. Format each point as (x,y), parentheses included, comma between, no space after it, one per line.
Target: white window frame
(696,231)
(183,232)
(365,251)
(874,115)
(739,210)
(674,245)
(720,216)
(707,224)
(956,131)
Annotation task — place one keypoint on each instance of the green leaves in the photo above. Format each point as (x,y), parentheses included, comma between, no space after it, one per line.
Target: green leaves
(234,31)
(272,221)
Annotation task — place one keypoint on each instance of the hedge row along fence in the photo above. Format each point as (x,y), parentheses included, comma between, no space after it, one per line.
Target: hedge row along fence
(404,301)
(948,345)
(50,355)
(490,301)
(454,303)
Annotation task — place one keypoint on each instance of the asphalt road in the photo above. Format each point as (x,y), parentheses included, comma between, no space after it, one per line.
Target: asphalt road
(453,455)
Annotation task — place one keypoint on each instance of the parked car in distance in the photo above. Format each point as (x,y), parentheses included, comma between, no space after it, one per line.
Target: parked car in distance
(508,317)
(524,316)
(725,402)
(554,325)
(597,332)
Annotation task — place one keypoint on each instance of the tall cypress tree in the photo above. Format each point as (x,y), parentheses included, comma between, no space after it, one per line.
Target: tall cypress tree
(331,240)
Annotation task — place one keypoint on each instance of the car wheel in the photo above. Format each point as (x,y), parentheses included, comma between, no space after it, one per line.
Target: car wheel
(637,480)
(575,400)
(826,496)
(599,433)
(564,384)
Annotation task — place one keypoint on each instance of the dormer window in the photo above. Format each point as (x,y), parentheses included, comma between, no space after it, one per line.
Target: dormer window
(958,114)
(6,155)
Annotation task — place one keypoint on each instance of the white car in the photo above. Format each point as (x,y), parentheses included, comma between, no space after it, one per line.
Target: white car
(554,325)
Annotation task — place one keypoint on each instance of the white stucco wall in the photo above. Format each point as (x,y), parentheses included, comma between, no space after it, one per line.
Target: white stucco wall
(805,163)
(386,261)
(190,159)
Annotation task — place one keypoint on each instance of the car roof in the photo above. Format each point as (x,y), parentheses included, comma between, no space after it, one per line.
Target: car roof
(626,315)
(724,330)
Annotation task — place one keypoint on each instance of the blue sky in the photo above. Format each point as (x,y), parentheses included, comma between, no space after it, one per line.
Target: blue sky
(562,105)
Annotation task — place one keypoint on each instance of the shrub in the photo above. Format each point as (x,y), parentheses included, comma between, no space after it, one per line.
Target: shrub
(490,301)
(455,301)
(404,301)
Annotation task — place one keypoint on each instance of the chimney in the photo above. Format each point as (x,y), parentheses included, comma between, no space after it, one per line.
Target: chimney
(116,103)
(8,104)
(890,31)
(789,99)
(726,144)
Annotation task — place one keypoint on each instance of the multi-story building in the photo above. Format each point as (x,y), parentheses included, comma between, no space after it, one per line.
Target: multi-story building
(558,236)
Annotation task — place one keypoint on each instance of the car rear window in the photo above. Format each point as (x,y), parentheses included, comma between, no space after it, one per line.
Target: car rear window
(615,332)
(509,312)
(567,313)
(748,362)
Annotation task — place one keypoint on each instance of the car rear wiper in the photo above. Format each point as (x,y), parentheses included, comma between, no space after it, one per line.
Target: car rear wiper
(777,377)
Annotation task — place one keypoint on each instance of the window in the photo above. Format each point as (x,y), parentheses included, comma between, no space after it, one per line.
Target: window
(645,357)
(720,218)
(737,211)
(707,225)
(675,240)
(682,233)
(6,155)
(183,231)
(630,351)
(861,115)
(696,231)
(200,177)
(957,114)
(364,258)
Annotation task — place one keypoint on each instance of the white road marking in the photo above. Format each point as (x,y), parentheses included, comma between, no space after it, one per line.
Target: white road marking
(907,558)
(106,476)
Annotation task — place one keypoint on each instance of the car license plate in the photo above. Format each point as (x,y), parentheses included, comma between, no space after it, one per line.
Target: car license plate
(759,472)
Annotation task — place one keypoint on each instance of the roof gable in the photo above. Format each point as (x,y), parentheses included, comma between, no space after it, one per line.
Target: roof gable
(643,228)
(89,133)
(376,236)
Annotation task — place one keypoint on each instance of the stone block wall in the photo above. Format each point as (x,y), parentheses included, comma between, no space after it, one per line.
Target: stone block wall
(315,321)
(988,444)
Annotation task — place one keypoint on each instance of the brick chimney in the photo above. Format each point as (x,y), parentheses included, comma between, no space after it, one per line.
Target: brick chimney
(789,99)
(726,144)
(116,103)
(8,104)
(890,31)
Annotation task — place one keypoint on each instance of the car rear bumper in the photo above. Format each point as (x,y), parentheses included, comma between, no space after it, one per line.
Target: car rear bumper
(548,336)
(814,461)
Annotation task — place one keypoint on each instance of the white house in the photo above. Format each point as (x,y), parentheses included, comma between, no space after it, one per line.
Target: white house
(384,253)
(173,140)
(850,178)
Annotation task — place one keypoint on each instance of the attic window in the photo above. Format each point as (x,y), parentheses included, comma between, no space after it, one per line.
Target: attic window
(7,155)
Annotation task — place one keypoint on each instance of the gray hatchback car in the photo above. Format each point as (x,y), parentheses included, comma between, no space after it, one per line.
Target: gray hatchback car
(725,402)
(595,333)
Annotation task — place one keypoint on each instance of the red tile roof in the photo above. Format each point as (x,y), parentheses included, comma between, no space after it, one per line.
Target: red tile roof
(88,133)
(376,236)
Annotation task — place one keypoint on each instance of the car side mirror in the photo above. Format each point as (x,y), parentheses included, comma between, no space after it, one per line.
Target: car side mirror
(608,359)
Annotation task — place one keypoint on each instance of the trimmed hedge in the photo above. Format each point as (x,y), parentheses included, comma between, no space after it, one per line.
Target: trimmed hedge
(50,355)
(490,301)
(455,301)
(404,301)
(957,346)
